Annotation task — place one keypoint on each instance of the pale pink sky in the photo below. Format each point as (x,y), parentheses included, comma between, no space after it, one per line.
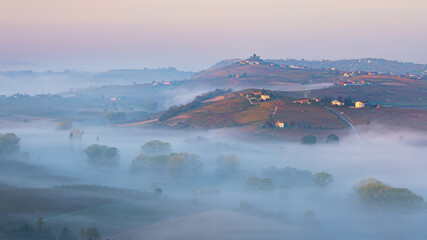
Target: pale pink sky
(194,34)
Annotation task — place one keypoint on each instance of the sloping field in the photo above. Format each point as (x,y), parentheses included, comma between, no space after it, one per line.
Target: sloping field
(217,224)
(386,90)
(239,73)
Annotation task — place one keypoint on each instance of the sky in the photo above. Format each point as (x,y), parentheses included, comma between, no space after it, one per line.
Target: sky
(195,34)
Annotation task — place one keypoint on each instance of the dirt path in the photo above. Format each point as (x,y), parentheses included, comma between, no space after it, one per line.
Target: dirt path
(274,111)
(353,128)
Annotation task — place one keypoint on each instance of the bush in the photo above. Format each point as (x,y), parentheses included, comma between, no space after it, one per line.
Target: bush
(101,155)
(309,139)
(288,176)
(227,164)
(254,183)
(153,164)
(184,165)
(322,179)
(332,138)
(9,144)
(156,147)
(375,193)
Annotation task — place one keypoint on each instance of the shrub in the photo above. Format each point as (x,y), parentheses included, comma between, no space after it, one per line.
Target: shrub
(101,155)
(309,139)
(374,192)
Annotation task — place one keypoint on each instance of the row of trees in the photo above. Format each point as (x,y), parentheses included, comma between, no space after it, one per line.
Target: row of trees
(176,165)
(40,230)
(311,139)
(320,179)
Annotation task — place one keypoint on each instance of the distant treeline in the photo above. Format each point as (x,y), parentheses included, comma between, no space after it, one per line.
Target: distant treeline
(105,189)
(176,110)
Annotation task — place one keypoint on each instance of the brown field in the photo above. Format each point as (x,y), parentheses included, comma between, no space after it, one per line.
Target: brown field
(236,111)
(386,90)
(393,118)
(265,74)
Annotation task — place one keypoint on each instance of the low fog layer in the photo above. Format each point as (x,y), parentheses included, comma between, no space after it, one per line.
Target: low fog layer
(332,211)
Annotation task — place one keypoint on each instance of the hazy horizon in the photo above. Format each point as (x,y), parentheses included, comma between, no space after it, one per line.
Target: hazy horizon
(194,35)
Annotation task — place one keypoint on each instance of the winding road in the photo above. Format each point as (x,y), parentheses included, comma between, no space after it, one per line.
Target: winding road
(353,128)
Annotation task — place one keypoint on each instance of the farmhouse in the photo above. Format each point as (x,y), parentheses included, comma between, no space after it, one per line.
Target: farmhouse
(280,124)
(359,104)
(265,97)
(337,103)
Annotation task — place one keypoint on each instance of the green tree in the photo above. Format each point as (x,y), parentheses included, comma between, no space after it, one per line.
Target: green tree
(101,155)
(255,183)
(90,234)
(40,226)
(227,164)
(375,193)
(65,234)
(184,164)
(332,138)
(9,144)
(153,164)
(309,139)
(322,179)
(156,147)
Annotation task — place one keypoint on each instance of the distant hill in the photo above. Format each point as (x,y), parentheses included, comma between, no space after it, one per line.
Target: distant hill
(32,82)
(364,64)
(254,72)
(123,76)
(225,63)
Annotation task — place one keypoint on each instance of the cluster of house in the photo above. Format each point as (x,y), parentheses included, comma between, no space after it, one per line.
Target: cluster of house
(256,60)
(357,104)
(257,95)
(336,102)
(161,83)
(306,100)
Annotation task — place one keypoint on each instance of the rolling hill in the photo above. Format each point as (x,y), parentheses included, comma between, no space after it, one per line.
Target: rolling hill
(256,72)
(363,64)
(248,111)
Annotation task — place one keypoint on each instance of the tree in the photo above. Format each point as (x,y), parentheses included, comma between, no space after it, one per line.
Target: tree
(40,226)
(227,164)
(65,234)
(332,138)
(373,192)
(184,164)
(64,125)
(101,155)
(154,164)
(9,144)
(156,147)
(90,234)
(255,183)
(309,139)
(76,134)
(322,179)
